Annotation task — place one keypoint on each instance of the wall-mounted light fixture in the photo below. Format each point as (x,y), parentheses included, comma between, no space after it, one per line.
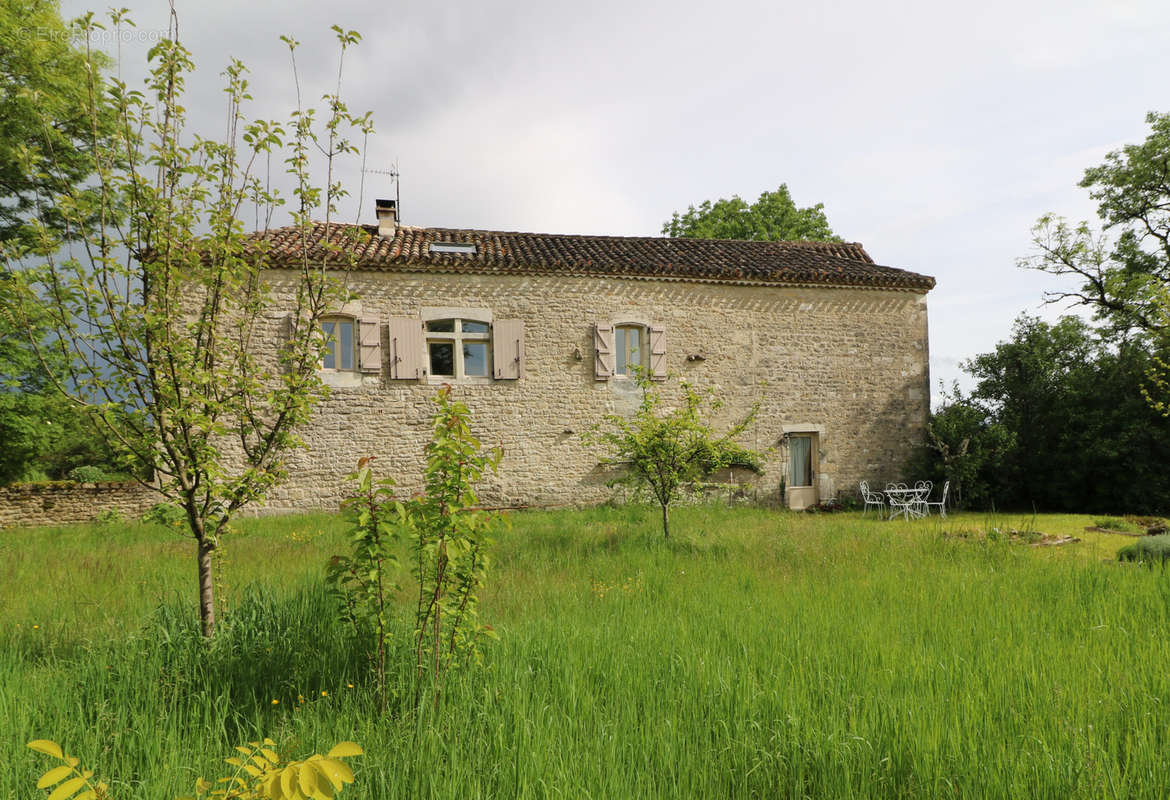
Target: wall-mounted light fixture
(577,354)
(696,357)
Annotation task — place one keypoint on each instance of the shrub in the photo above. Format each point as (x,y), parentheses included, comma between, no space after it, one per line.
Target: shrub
(1147,550)
(1113,524)
(166,514)
(110,516)
(449,540)
(87,474)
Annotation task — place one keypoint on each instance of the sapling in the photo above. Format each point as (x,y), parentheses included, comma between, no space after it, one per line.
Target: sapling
(662,450)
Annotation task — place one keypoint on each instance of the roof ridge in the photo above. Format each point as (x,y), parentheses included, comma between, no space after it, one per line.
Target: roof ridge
(415,228)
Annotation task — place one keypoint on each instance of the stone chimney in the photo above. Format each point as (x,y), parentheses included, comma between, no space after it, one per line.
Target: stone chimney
(387,213)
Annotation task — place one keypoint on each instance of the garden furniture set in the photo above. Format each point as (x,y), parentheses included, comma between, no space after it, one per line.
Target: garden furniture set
(908,502)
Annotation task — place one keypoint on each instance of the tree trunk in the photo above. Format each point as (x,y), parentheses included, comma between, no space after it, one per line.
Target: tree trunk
(206,586)
(665,521)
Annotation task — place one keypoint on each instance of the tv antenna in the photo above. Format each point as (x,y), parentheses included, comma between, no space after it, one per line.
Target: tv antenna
(395,176)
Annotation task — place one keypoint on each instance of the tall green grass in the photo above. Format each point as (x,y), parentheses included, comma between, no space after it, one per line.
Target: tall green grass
(759,654)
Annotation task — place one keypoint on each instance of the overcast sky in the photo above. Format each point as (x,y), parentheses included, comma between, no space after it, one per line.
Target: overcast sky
(934,132)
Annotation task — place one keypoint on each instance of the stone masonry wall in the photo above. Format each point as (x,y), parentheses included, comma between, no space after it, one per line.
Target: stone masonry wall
(63,503)
(848,363)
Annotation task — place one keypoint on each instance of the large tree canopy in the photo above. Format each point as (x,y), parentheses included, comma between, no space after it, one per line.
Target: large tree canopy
(46,130)
(46,137)
(1124,277)
(773,217)
(1056,422)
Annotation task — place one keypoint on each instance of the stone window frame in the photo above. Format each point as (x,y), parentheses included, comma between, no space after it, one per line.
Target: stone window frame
(334,341)
(459,315)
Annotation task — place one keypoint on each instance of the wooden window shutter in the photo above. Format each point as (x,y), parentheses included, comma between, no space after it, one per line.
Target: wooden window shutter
(508,349)
(657,353)
(370,346)
(603,360)
(407,349)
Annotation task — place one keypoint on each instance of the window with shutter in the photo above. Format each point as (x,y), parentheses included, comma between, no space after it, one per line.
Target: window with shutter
(657,353)
(508,348)
(406,349)
(340,353)
(459,348)
(370,346)
(603,351)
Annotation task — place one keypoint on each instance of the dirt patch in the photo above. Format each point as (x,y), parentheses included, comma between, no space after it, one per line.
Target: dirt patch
(1031,538)
(1112,532)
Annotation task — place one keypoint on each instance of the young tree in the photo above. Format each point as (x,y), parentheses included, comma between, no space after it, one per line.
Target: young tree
(662,450)
(451,542)
(156,309)
(773,217)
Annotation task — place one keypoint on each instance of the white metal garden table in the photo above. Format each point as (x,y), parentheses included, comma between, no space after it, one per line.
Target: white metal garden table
(906,502)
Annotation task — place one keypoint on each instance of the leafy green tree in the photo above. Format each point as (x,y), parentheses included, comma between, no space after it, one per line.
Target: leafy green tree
(47,127)
(965,446)
(1056,422)
(45,136)
(773,217)
(153,315)
(1124,271)
(664,449)
(1027,384)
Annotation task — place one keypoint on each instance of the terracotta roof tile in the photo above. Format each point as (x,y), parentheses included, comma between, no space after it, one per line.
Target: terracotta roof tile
(511,253)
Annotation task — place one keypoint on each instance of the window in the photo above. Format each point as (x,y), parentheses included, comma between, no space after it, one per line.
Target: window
(800,466)
(340,350)
(459,348)
(630,349)
(452,247)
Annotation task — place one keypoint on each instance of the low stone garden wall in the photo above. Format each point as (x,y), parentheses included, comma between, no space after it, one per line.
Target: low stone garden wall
(61,503)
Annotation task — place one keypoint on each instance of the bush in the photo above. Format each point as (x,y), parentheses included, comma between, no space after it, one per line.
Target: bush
(1114,524)
(1147,550)
(166,514)
(87,474)
(111,516)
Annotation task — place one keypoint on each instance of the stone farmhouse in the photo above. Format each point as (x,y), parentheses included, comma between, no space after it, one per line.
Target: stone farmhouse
(539,333)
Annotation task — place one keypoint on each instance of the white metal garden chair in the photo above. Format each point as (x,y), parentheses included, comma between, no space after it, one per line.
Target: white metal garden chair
(942,504)
(872,500)
(923,488)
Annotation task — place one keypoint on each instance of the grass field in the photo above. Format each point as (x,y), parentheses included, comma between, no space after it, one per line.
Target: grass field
(758,654)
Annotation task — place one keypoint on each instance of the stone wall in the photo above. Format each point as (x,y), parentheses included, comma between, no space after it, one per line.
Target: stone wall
(63,503)
(847,364)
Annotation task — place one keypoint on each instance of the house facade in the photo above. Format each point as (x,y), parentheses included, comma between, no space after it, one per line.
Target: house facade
(540,335)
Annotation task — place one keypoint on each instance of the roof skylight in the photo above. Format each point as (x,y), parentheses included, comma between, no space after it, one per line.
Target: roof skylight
(452,247)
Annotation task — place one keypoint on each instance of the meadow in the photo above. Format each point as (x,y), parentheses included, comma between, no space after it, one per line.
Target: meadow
(758,654)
